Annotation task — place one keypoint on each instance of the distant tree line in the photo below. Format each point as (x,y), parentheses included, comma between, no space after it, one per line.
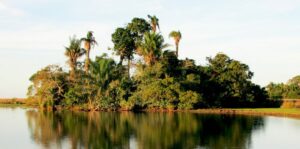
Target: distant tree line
(147,76)
(289,90)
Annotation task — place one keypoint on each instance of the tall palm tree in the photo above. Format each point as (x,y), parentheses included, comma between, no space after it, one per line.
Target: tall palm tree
(176,35)
(151,47)
(154,22)
(73,52)
(89,42)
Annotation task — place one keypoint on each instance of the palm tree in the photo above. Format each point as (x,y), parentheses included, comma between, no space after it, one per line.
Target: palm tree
(154,22)
(89,42)
(73,52)
(151,47)
(176,35)
(103,71)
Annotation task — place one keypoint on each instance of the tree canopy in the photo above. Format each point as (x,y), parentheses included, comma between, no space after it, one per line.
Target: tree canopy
(288,90)
(160,80)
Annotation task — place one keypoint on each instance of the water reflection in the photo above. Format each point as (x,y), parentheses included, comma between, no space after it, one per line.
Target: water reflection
(141,130)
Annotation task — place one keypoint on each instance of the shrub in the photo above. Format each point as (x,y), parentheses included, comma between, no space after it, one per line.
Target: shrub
(188,100)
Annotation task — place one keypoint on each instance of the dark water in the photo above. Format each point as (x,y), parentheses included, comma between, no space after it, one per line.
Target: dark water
(29,129)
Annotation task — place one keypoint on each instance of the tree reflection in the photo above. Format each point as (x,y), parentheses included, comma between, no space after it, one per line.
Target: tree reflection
(145,130)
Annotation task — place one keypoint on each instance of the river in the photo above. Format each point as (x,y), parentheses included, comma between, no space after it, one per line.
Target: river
(26,128)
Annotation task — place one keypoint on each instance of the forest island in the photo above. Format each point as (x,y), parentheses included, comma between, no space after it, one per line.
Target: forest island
(148,76)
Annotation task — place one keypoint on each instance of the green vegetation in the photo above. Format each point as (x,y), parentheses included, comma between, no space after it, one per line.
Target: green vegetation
(289,90)
(285,112)
(12,101)
(154,77)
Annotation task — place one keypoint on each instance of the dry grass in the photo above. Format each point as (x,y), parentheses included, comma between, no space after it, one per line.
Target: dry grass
(282,112)
(290,104)
(12,101)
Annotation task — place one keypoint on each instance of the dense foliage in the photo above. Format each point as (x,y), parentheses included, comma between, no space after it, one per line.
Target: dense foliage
(289,90)
(153,78)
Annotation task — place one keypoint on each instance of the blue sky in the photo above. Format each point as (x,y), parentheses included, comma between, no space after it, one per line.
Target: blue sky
(265,34)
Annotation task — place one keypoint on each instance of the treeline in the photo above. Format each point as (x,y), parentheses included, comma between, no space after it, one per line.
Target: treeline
(289,90)
(147,76)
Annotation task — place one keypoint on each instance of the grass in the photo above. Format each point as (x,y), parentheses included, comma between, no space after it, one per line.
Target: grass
(10,101)
(274,110)
(281,112)
(295,112)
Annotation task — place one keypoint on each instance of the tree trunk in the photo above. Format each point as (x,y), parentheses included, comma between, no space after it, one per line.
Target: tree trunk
(154,28)
(87,61)
(121,60)
(128,68)
(177,50)
(72,62)
(72,73)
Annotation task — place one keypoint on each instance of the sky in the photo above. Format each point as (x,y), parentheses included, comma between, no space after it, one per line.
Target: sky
(264,34)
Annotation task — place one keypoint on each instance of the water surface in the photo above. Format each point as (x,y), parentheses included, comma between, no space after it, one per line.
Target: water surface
(30,128)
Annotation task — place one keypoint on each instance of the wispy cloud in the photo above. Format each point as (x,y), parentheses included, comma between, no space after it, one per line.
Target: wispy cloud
(7,11)
(52,36)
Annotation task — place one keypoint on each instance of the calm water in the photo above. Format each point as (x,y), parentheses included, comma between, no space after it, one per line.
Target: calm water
(29,129)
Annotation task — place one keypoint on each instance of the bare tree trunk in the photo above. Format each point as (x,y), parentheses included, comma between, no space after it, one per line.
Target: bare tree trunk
(154,28)
(177,50)
(87,61)
(72,73)
(128,68)
(121,60)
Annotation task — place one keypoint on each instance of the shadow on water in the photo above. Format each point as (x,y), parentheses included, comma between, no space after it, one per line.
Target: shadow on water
(141,130)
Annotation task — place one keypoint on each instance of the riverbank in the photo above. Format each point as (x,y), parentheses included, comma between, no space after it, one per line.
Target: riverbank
(279,112)
(12,101)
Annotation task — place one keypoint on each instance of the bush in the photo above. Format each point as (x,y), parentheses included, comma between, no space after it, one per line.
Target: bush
(188,100)
(71,98)
(157,94)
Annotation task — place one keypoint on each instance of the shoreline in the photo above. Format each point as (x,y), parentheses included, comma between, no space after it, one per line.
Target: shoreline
(278,112)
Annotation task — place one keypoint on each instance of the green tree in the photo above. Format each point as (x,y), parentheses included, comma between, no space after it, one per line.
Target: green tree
(73,52)
(138,27)
(104,71)
(170,64)
(124,45)
(289,90)
(154,22)
(189,99)
(157,94)
(48,86)
(151,47)
(275,91)
(295,80)
(89,42)
(229,81)
(176,35)
(292,91)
